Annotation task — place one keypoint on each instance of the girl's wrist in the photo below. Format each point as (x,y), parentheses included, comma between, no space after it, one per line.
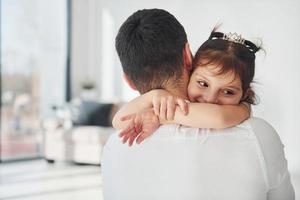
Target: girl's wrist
(149,97)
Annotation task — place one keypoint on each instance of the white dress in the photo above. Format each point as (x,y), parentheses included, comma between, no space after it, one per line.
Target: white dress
(245,162)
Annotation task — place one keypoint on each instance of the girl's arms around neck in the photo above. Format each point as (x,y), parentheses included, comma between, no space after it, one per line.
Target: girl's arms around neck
(200,115)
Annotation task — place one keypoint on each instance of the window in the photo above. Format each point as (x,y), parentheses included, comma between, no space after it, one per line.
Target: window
(33,72)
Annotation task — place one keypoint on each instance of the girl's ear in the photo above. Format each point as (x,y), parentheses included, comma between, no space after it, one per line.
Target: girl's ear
(129,82)
(187,57)
(248,94)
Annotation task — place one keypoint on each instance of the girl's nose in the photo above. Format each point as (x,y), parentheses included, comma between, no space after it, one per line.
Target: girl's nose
(211,98)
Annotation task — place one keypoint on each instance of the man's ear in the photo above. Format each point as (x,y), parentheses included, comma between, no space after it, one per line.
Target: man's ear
(129,82)
(187,57)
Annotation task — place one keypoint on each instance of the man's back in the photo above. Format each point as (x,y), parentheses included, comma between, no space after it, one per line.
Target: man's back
(186,163)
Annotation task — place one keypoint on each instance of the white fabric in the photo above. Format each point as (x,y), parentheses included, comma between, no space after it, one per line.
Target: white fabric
(245,162)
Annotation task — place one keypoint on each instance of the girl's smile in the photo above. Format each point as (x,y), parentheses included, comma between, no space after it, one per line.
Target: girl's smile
(207,86)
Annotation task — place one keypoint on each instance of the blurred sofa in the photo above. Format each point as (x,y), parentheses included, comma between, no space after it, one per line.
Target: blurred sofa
(79,132)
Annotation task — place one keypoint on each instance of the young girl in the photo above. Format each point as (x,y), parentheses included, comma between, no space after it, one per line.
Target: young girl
(219,91)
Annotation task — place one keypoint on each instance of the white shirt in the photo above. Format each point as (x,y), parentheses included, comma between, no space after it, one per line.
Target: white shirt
(245,162)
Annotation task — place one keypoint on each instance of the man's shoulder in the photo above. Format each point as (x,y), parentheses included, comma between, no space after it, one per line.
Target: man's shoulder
(260,124)
(272,150)
(266,135)
(262,128)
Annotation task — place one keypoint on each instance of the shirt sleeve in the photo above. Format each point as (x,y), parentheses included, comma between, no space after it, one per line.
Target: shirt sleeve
(274,162)
(283,191)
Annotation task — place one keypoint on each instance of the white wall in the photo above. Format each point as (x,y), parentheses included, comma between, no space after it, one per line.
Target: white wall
(52,54)
(277,23)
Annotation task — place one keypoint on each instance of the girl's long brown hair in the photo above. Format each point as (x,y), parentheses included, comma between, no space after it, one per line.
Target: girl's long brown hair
(230,56)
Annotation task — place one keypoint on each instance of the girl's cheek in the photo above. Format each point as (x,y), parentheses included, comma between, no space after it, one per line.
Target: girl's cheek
(190,89)
(226,101)
(191,94)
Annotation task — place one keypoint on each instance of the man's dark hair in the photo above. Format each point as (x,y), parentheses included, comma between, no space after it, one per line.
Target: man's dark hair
(150,46)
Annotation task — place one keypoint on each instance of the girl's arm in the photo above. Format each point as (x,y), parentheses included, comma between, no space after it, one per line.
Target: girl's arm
(200,115)
(136,105)
(143,124)
(206,115)
(139,120)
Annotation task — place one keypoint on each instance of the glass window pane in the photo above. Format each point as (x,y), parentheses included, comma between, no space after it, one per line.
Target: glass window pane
(33,62)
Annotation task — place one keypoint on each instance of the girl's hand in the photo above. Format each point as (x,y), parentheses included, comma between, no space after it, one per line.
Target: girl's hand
(141,126)
(164,105)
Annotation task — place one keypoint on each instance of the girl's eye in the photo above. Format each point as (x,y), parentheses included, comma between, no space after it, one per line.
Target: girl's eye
(228,92)
(202,84)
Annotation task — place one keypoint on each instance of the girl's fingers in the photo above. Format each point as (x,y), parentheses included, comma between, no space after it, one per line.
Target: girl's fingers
(156,105)
(125,138)
(170,108)
(128,135)
(132,138)
(183,106)
(163,108)
(137,129)
(122,133)
(127,129)
(140,138)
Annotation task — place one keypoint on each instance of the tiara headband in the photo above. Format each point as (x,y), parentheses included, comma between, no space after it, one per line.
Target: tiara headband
(233,37)
(236,38)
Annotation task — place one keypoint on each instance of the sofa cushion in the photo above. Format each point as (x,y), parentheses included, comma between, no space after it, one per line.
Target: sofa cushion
(92,113)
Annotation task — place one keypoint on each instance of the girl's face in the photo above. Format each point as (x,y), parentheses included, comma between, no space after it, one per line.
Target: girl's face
(206,86)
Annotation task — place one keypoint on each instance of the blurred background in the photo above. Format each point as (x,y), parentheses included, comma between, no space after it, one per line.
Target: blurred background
(61,83)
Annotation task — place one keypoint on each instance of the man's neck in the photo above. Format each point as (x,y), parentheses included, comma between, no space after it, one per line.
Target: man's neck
(178,91)
(179,87)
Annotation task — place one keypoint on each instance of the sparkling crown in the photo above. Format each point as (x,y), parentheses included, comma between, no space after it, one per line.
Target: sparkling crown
(234,37)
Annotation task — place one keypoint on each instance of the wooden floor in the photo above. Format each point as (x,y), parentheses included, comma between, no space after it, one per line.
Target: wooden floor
(38,180)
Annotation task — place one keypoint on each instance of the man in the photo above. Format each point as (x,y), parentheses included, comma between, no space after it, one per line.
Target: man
(176,162)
